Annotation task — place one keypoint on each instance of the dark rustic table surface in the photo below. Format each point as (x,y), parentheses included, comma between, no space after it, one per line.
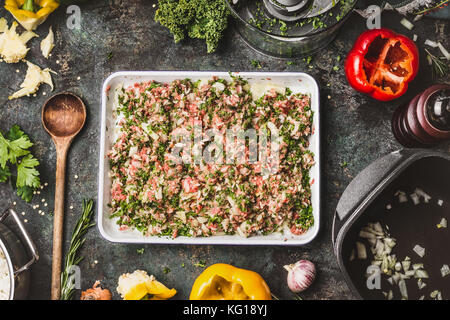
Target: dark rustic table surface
(121,35)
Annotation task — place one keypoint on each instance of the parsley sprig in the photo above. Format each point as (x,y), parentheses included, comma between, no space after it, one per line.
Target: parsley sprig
(14,150)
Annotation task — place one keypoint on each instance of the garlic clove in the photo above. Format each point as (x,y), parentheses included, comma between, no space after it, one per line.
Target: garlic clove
(300,275)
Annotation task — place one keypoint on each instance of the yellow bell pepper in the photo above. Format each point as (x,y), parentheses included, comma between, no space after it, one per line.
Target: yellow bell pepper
(226,282)
(31,13)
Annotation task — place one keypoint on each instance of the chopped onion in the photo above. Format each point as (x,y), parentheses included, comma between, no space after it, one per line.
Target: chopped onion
(407,24)
(389,242)
(377,227)
(415,37)
(422,194)
(352,255)
(367,235)
(396,277)
(421,274)
(379,249)
(442,224)
(390,295)
(402,198)
(419,250)
(445,270)
(415,198)
(444,51)
(418,17)
(403,289)
(361,250)
(421,284)
(410,273)
(370,229)
(440,202)
(406,264)
(431,43)
(389,207)
(417,266)
(376,263)
(436,294)
(422,298)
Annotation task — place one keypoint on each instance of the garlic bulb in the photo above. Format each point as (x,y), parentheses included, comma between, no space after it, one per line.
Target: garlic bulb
(300,275)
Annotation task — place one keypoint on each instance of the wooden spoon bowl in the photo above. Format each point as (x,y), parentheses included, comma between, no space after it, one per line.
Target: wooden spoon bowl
(63,117)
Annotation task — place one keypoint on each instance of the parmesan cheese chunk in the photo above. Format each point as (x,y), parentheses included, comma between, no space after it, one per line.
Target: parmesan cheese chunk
(3,25)
(34,78)
(130,281)
(48,43)
(13,47)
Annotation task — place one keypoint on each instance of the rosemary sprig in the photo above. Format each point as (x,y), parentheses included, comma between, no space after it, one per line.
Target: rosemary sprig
(440,67)
(72,258)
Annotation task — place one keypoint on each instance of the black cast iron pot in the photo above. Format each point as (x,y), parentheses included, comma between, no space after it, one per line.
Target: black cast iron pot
(367,198)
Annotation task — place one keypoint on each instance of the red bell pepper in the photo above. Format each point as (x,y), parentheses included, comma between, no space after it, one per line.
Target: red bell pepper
(382,63)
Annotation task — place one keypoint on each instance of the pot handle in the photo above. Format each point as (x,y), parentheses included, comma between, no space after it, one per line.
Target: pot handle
(31,246)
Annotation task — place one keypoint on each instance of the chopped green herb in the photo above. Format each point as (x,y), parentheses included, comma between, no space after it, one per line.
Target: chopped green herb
(256,64)
(201,264)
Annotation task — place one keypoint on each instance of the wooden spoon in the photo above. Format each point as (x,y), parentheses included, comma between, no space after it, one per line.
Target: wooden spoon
(63,116)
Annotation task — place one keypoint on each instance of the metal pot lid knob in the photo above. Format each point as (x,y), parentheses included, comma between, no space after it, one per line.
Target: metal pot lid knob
(290,10)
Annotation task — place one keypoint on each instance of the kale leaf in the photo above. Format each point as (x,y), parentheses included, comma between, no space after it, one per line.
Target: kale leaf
(202,19)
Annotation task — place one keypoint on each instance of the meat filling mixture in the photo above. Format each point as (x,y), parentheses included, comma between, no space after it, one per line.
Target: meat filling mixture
(158,194)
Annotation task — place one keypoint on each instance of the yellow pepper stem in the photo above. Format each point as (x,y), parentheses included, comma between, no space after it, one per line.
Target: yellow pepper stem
(31,13)
(29,6)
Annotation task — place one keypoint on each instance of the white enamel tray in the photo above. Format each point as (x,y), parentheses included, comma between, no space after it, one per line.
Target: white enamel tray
(297,82)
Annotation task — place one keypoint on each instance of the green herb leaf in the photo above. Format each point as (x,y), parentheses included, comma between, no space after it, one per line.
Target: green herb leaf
(27,175)
(18,148)
(26,193)
(15,133)
(4,146)
(4,174)
(14,149)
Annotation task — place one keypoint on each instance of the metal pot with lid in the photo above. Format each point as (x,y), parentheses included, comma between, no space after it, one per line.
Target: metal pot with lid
(289,28)
(298,28)
(13,252)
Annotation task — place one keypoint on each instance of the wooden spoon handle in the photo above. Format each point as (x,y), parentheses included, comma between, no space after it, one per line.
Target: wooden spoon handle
(58,221)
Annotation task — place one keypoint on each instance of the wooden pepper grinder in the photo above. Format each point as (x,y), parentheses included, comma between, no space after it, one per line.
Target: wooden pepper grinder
(425,120)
